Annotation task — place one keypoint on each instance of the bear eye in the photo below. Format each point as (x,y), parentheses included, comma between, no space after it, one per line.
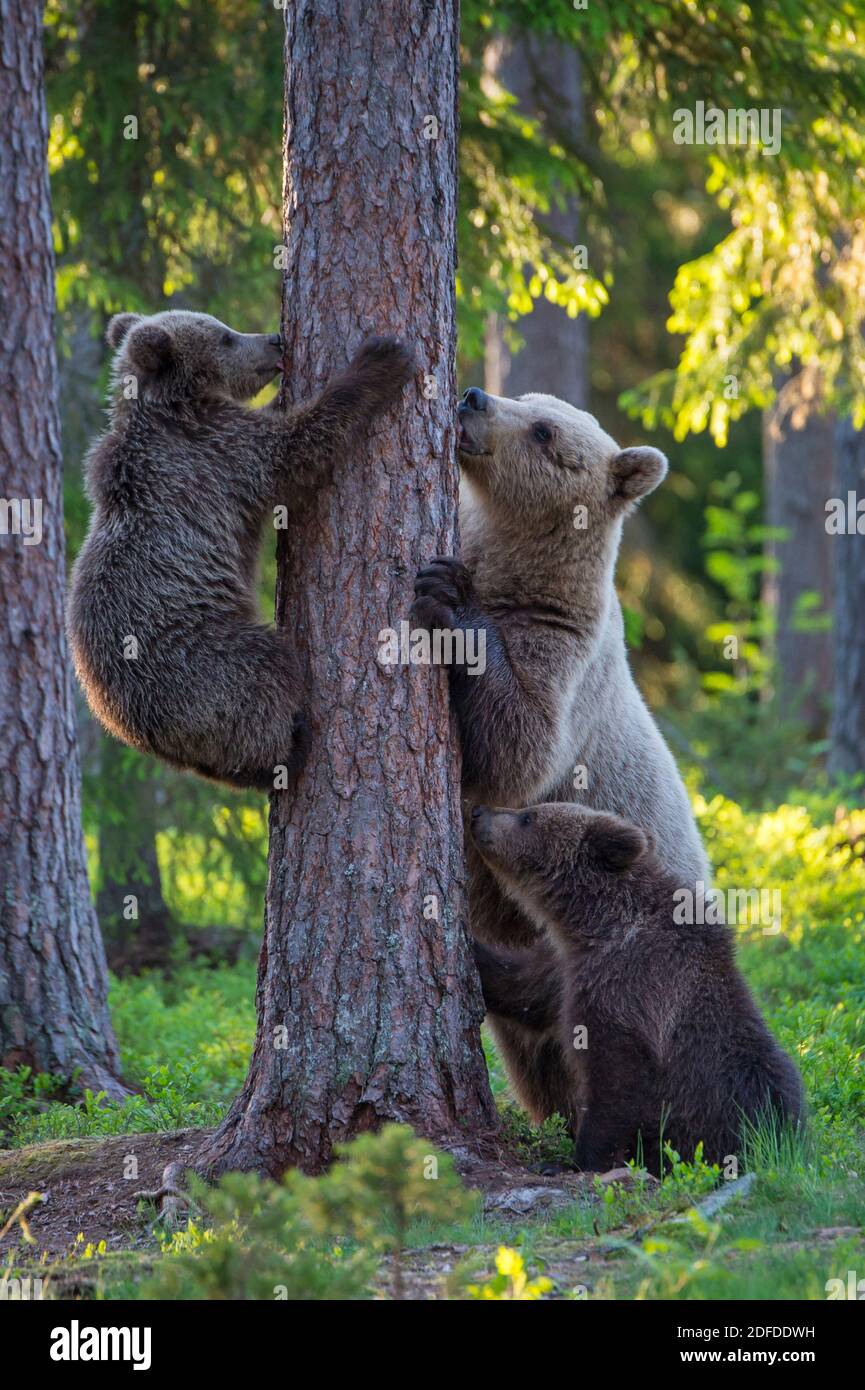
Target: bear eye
(228,340)
(543,434)
(526,818)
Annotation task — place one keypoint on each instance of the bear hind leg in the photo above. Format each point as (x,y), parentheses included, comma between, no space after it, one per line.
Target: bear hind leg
(243,721)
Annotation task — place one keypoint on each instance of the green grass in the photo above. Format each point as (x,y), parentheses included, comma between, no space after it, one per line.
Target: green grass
(186,1043)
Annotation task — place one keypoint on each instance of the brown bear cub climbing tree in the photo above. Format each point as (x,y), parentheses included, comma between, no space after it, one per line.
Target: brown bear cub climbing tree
(163,617)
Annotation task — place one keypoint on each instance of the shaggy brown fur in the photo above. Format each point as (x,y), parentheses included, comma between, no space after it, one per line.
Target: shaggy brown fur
(546,492)
(676,1048)
(163,615)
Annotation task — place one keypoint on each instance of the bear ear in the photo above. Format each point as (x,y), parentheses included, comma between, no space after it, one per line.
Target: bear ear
(614,844)
(634,472)
(149,347)
(118,328)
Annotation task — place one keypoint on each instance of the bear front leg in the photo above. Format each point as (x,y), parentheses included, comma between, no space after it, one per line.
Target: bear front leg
(313,435)
(508,715)
(519,985)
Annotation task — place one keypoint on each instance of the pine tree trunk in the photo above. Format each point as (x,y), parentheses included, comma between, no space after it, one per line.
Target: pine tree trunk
(798,460)
(544,76)
(368,1004)
(53,983)
(847,733)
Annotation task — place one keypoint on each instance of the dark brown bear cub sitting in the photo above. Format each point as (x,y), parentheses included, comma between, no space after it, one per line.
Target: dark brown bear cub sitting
(674,1048)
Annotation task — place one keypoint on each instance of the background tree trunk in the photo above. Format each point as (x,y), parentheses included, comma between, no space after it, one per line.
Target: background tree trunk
(798,462)
(53,983)
(543,73)
(128,866)
(847,734)
(367,1010)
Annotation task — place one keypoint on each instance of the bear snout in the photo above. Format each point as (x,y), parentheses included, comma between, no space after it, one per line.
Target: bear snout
(473,399)
(481,825)
(487,824)
(473,421)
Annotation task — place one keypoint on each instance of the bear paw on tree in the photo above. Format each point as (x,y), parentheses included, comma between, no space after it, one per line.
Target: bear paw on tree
(444,595)
(382,366)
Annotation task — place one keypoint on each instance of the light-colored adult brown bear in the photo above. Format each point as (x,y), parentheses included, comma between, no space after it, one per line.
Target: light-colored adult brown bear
(556,715)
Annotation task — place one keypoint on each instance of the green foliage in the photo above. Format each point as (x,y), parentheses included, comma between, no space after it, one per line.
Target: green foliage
(258,1242)
(785,287)
(211,844)
(765,1247)
(692,1177)
(780,52)
(808,975)
(786,282)
(745,734)
(737,561)
(514,171)
(536,1145)
(286,1241)
(24,1094)
(812,849)
(382,1183)
(167,1102)
(510,1283)
(669,1273)
(189,206)
(185,1042)
(745,747)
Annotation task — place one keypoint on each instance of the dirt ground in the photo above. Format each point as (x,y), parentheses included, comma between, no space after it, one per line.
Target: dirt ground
(89,1187)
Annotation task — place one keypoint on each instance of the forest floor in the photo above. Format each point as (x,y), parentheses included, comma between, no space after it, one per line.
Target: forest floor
(772,1235)
(795,1224)
(97,1186)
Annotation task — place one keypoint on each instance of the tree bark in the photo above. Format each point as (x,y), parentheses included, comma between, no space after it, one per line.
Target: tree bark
(847,732)
(798,461)
(53,981)
(540,72)
(368,1009)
